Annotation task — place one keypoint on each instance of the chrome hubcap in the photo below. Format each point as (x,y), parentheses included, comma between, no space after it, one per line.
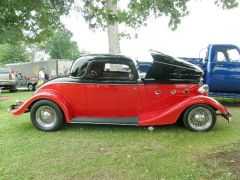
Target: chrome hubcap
(200,118)
(46,116)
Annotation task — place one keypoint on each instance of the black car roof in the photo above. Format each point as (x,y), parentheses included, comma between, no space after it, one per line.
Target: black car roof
(90,57)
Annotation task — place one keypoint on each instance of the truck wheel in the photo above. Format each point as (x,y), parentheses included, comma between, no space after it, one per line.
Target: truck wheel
(13,89)
(47,116)
(199,118)
(31,87)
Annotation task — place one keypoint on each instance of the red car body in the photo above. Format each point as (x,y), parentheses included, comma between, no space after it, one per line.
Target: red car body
(96,94)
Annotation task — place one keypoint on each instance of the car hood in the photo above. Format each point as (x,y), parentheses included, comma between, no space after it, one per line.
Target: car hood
(166,68)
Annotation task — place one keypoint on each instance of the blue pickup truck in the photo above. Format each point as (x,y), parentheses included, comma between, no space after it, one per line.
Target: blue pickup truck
(221,66)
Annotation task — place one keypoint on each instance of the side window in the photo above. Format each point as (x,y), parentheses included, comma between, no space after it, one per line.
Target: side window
(221,57)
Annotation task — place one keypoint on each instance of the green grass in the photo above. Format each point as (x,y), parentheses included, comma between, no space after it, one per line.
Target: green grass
(170,152)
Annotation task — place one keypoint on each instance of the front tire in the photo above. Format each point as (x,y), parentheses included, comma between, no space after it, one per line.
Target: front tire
(199,118)
(47,116)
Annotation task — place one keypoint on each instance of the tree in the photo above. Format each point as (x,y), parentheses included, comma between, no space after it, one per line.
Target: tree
(14,54)
(60,46)
(30,20)
(36,20)
(112,28)
(99,14)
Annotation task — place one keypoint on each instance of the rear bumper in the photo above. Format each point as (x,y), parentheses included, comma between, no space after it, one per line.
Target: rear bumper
(227,116)
(8,84)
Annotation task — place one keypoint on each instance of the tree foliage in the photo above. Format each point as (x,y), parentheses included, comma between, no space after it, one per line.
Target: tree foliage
(30,20)
(137,12)
(36,20)
(60,46)
(14,54)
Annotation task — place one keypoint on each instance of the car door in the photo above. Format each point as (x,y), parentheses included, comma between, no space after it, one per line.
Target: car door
(112,93)
(225,71)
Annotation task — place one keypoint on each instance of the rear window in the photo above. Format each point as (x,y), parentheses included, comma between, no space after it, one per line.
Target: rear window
(116,67)
(4,71)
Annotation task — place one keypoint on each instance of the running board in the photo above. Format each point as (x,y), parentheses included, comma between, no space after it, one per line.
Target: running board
(134,121)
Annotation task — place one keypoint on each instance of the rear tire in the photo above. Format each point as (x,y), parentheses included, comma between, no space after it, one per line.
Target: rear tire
(199,118)
(47,116)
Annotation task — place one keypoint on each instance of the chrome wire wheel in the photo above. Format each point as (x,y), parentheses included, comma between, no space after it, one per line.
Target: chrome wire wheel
(46,116)
(199,117)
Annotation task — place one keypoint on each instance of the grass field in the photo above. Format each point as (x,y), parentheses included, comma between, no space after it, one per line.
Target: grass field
(169,152)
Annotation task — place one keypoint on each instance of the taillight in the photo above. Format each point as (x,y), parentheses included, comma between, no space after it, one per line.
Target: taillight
(10,76)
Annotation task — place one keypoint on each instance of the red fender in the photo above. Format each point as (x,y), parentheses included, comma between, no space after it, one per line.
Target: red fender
(170,114)
(51,95)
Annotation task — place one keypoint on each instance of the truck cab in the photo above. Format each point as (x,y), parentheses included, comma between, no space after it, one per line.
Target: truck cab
(222,68)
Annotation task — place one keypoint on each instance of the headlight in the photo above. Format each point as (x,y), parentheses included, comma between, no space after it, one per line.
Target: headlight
(203,89)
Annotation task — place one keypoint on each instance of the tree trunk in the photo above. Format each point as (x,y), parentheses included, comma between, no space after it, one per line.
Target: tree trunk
(113,40)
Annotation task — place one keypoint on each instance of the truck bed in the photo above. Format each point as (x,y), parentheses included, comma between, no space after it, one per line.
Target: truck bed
(8,80)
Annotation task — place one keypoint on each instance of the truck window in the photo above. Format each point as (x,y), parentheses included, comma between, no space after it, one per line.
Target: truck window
(4,71)
(221,57)
(233,55)
(227,55)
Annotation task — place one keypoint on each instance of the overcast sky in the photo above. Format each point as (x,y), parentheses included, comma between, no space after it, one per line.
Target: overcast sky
(206,24)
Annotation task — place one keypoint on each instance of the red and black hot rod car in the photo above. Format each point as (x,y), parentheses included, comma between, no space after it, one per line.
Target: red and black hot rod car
(106,89)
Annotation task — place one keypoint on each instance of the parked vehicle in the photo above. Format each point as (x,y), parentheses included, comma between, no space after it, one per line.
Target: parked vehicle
(221,67)
(8,80)
(94,94)
(27,73)
(222,70)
